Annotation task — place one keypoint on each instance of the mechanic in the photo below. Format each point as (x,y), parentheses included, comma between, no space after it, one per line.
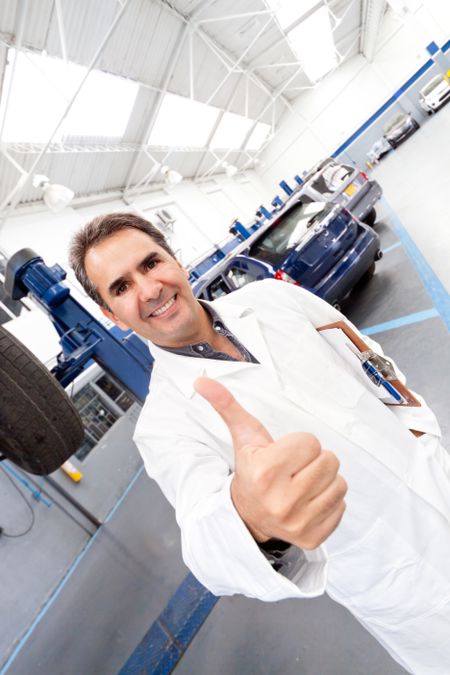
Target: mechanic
(249,415)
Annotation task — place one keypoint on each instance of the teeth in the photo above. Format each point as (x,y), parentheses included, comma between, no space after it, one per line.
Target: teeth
(162,309)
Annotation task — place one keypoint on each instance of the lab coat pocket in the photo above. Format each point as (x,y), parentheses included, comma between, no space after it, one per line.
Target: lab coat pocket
(383,579)
(316,372)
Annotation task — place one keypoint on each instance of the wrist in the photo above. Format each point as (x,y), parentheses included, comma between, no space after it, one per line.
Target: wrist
(257,535)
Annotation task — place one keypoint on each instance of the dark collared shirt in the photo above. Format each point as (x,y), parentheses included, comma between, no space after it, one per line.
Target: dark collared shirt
(204,350)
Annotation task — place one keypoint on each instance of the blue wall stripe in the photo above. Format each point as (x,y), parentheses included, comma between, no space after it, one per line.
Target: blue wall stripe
(434,287)
(392,248)
(401,321)
(384,107)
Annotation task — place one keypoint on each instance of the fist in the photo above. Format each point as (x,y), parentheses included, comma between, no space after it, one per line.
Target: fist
(287,489)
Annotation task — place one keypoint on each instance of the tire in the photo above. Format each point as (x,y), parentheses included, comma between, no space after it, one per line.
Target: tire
(370,217)
(368,274)
(39,426)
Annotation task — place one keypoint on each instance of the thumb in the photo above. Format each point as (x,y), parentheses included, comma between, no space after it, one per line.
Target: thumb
(244,428)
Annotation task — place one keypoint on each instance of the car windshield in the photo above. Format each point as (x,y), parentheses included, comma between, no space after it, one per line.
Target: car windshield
(275,244)
(331,178)
(398,119)
(432,85)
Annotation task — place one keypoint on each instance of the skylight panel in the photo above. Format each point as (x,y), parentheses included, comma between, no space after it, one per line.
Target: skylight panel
(289,11)
(36,103)
(103,106)
(312,42)
(231,131)
(183,122)
(258,136)
(40,93)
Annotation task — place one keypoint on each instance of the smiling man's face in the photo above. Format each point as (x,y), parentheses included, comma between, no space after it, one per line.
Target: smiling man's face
(146,289)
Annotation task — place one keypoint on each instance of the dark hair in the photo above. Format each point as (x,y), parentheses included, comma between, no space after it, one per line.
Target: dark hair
(99,229)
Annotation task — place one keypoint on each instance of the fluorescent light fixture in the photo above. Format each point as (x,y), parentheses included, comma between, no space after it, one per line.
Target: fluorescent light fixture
(41,90)
(231,131)
(183,122)
(289,11)
(313,44)
(258,136)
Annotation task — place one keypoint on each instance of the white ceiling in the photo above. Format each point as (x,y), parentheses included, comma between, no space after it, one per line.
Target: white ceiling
(188,47)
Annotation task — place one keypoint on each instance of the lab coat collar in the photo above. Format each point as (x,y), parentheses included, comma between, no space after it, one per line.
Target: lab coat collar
(242,322)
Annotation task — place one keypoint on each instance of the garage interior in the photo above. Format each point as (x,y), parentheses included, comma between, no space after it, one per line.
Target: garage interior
(84,585)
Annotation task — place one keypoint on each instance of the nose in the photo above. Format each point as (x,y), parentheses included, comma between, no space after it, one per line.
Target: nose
(148,288)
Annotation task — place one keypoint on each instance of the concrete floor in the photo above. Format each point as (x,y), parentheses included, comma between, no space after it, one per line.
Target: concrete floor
(132,566)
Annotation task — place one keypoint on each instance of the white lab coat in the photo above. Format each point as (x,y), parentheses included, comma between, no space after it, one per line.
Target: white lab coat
(388,561)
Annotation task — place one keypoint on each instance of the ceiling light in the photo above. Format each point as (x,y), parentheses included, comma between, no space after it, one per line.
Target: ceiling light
(231,170)
(172,177)
(56,196)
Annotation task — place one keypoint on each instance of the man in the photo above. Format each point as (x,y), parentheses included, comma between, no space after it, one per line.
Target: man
(248,454)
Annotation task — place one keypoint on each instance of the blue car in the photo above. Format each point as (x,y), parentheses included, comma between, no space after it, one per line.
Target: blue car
(322,247)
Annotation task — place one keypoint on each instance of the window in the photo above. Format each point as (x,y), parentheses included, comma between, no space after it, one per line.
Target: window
(231,131)
(41,90)
(258,136)
(97,418)
(183,122)
(331,178)
(275,244)
(100,404)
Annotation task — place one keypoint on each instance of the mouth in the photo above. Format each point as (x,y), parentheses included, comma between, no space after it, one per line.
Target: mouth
(164,309)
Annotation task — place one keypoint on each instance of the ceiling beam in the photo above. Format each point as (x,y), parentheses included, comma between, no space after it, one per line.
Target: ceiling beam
(373,12)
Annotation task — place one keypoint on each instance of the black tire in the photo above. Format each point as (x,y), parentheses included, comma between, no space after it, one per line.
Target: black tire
(39,426)
(368,274)
(370,218)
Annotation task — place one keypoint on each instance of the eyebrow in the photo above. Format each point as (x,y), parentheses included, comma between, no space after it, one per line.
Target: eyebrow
(114,285)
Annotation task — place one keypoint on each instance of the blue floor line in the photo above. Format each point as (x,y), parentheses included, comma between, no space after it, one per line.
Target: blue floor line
(401,321)
(66,577)
(430,280)
(120,500)
(392,248)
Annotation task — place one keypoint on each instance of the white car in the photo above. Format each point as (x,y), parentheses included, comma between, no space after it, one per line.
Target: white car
(380,148)
(435,94)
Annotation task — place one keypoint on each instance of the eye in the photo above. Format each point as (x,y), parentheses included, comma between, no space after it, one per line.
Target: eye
(150,263)
(121,288)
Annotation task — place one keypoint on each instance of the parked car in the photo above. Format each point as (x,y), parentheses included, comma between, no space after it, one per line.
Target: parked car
(435,94)
(400,128)
(320,246)
(332,181)
(379,149)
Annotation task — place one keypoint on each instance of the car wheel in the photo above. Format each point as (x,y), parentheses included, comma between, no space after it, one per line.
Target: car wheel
(368,274)
(39,425)
(370,217)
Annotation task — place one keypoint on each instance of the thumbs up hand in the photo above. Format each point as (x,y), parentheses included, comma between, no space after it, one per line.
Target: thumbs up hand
(287,489)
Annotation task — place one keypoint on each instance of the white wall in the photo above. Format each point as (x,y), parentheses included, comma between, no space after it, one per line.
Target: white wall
(324,117)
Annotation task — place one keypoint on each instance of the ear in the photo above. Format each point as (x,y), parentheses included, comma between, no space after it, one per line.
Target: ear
(112,317)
